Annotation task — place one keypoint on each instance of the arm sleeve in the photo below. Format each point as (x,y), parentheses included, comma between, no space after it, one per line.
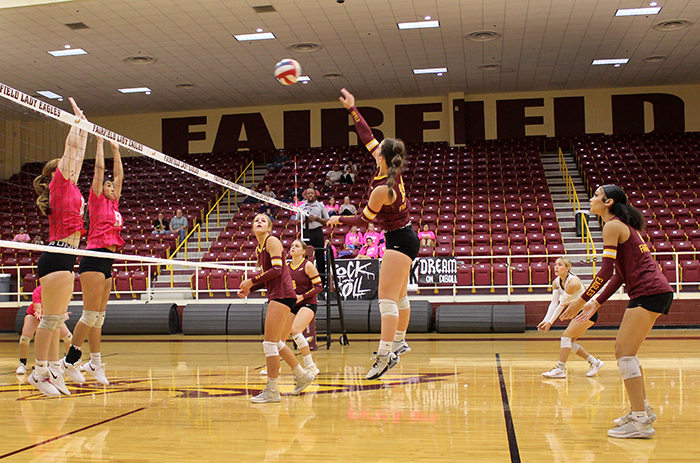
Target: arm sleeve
(606,271)
(317,288)
(613,285)
(359,220)
(554,308)
(272,272)
(363,130)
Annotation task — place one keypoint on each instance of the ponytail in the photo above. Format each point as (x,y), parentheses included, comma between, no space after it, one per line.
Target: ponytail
(393,151)
(41,186)
(623,211)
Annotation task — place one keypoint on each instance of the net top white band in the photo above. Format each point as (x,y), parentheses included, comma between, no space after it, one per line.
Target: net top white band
(48,110)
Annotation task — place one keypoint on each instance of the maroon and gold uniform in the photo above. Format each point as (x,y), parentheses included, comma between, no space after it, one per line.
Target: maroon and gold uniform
(275,276)
(303,285)
(636,268)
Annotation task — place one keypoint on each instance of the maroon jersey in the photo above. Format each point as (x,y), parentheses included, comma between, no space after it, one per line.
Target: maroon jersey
(394,215)
(638,269)
(278,287)
(303,285)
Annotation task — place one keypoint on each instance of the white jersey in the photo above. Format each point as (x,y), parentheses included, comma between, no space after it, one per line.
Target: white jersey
(560,296)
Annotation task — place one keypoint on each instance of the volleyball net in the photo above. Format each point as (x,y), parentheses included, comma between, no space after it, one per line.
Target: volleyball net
(33,131)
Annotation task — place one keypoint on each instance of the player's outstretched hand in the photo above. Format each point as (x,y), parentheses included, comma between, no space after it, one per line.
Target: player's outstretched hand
(588,310)
(347,99)
(544,326)
(571,309)
(333,220)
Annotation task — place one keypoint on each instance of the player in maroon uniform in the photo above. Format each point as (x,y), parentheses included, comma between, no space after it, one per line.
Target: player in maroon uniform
(276,280)
(307,284)
(389,207)
(650,296)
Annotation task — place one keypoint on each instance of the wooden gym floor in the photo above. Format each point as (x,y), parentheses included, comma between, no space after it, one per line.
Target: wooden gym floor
(476,398)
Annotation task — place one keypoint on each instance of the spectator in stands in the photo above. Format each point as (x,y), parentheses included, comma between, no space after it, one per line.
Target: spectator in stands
(333,176)
(346,208)
(377,236)
(37,240)
(277,162)
(354,239)
(332,207)
(352,166)
(267,208)
(370,250)
(426,237)
(22,236)
(348,177)
(251,199)
(179,224)
(311,187)
(297,192)
(161,224)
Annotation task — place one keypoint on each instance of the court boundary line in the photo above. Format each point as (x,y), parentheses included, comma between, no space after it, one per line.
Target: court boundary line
(508,416)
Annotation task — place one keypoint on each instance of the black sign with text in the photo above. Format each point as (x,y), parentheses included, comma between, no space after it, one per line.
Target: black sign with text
(434,270)
(358,278)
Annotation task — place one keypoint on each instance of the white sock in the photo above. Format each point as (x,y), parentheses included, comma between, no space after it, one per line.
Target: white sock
(646,403)
(308,360)
(399,336)
(272,383)
(591,359)
(298,371)
(384,347)
(41,368)
(96,358)
(561,365)
(55,365)
(640,416)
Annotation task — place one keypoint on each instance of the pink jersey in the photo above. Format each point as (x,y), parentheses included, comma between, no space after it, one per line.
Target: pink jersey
(67,208)
(105,222)
(426,234)
(36,299)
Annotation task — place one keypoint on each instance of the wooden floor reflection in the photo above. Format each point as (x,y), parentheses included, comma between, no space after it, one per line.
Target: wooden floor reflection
(453,398)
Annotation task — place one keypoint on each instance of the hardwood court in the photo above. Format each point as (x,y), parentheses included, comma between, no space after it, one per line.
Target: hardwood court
(454,398)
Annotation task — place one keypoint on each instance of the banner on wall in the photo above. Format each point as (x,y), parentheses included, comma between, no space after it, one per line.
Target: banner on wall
(357,278)
(434,270)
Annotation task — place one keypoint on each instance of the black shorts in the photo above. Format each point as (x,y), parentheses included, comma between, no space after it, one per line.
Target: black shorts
(312,307)
(96,264)
(403,240)
(659,303)
(594,317)
(288,301)
(50,262)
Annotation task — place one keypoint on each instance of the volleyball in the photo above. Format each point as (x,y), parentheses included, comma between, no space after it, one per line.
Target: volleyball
(287,71)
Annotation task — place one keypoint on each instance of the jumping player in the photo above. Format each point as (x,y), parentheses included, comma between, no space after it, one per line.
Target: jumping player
(567,287)
(96,272)
(281,299)
(650,296)
(389,207)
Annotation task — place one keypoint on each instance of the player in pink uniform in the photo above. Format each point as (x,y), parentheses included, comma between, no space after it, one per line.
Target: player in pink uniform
(307,285)
(282,298)
(650,296)
(60,200)
(31,322)
(96,272)
(389,207)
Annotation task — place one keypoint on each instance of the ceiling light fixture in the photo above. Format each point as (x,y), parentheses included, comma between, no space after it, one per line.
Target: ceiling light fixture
(430,71)
(638,11)
(50,94)
(597,62)
(249,37)
(67,52)
(419,25)
(145,90)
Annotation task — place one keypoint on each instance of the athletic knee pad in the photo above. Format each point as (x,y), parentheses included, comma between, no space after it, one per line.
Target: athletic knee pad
(574,347)
(51,322)
(281,345)
(68,338)
(25,340)
(404,303)
(565,342)
(629,367)
(387,307)
(300,340)
(270,349)
(89,317)
(100,320)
